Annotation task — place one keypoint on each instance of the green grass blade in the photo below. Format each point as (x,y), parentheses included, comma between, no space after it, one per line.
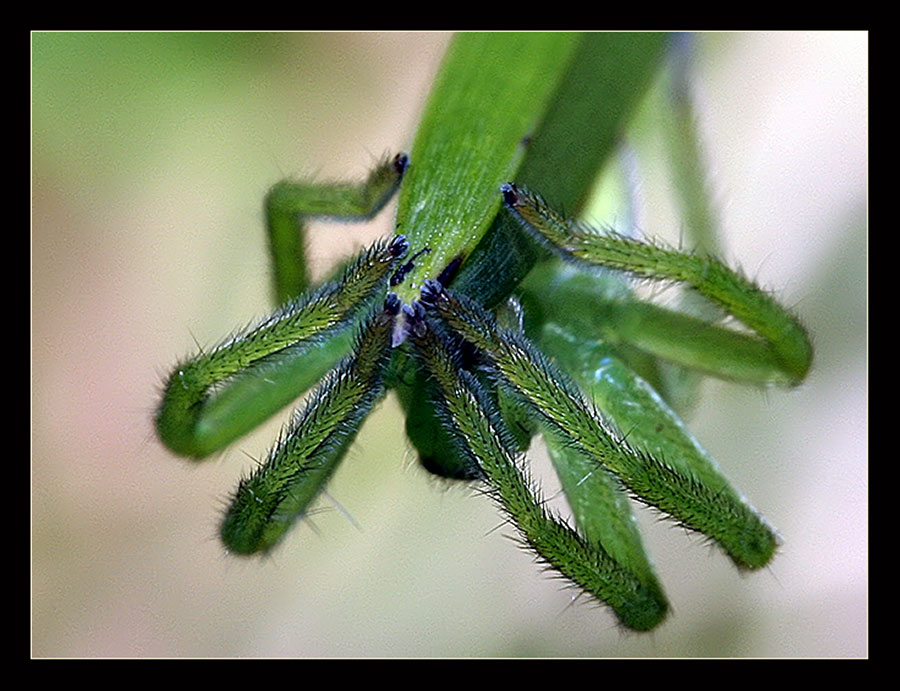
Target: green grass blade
(490,95)
(592,106)
(599,91)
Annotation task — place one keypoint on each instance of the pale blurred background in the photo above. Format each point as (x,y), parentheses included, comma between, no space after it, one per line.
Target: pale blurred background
(151,155)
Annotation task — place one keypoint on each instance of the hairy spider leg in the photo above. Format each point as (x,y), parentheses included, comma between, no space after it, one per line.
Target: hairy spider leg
(707,504)
(266,504)
(217,396)
(290,203)
(480,434)
(781,352)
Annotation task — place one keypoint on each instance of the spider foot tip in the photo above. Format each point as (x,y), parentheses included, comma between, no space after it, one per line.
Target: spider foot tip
(399,246)
(510,193)
(413,323)
(431,292)
(414,311)
(392,304)
(401,163)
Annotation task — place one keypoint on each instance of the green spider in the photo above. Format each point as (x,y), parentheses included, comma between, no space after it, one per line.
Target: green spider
(456,311)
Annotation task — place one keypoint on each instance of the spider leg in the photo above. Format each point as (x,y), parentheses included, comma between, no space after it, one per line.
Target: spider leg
(600,506)
(267,503)
(779,352)
(427,431)
(479,433)
(215,397)
(702,501)
(290,203)
(436,449)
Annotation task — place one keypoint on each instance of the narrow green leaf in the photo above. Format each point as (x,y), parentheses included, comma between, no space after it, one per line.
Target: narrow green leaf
(601,90)
(491,94)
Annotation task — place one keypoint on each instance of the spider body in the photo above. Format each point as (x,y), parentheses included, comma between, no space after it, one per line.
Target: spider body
(429,314)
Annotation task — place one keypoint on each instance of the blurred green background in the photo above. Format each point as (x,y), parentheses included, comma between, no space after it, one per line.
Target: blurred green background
(151,156)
